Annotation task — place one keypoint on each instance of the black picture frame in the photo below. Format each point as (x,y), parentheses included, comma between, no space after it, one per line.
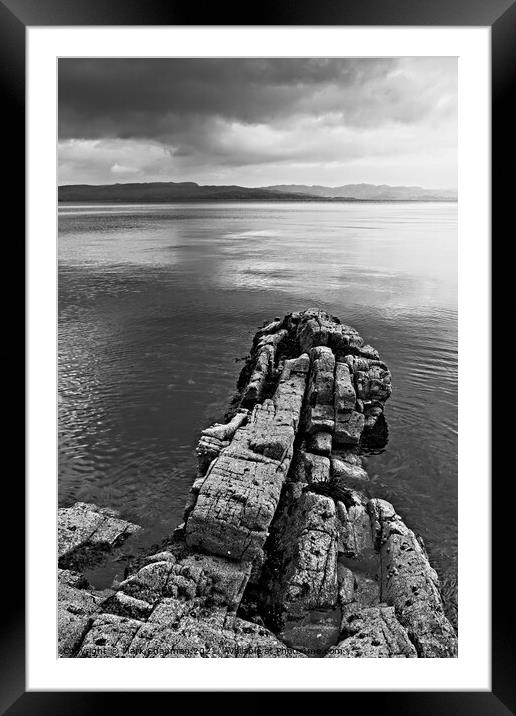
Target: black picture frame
(500,15)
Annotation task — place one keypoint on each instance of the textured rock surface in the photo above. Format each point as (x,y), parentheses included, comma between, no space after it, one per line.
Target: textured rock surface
(217,437)
(75,606)
(86,531)
(308,575)
(409,583)
(197,636)
(239,495)
(281,552)
(373,632)
(180,605)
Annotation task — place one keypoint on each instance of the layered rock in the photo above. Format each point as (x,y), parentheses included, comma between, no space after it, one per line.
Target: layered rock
(409,583)
(281,552)
(238,496)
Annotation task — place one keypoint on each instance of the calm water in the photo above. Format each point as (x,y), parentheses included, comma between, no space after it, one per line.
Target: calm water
(156,303)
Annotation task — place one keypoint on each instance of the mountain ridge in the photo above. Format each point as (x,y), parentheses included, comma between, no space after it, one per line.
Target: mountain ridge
(160,192)
(366,191)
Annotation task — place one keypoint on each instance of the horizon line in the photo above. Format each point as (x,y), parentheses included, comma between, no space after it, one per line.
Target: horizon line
(265,186)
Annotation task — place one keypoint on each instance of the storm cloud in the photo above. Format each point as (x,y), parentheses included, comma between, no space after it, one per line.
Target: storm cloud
(258,121)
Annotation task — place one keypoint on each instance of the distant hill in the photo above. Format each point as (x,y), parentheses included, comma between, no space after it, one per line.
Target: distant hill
(369,192)
(161,192)
(168,191)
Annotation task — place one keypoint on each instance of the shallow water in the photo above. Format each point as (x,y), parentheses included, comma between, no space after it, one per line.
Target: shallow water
(156,303)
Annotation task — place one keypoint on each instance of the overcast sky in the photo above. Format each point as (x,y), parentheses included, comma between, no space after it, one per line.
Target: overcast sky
(256,122)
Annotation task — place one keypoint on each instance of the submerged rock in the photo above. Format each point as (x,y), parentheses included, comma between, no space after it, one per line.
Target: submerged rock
(281,553)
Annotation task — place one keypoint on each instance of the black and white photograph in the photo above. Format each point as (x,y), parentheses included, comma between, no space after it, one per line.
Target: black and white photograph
(257,357)
(258,246)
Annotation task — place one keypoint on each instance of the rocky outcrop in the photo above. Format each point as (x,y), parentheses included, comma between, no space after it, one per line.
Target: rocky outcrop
(237,498)
(408,582)
(86,534)
(180,606)
(282,552)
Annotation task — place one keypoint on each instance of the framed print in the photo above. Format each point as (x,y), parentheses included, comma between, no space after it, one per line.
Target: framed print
(258,300)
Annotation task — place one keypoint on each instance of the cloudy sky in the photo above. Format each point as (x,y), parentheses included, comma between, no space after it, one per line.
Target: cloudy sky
(256,122)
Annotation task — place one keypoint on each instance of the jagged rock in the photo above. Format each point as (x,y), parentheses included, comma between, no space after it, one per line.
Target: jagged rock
(203,637)
(191,498)
(170,610)
(313,330)
(349,423)
(271,327)
(261,373)
(368,351)
(86,532)
(126,606)
(204,576)
(355,538)
(110,635)
(372,412)
(308,578)
(75,607)
(372,378)
(240,493)
(380,512)
(373,633)
(263,360)
(351,456)
(311,468)
(206,635)
(235,507)
(409,583)
(345,396)
(356,553)
(346,472)
(207,450)
(67,577)
(221,581)
(272,339)
(274,531)
(225,431)
(288,398)
(349,427)
(317,328)
(346,582)
(320,411)
(150,583)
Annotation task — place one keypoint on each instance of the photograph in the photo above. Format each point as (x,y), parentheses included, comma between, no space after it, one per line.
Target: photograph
(257,357)
(259,278)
